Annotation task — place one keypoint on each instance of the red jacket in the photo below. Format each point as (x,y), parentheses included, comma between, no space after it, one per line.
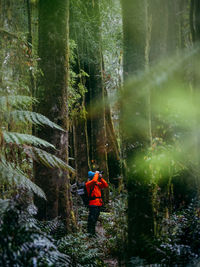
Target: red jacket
(96,192)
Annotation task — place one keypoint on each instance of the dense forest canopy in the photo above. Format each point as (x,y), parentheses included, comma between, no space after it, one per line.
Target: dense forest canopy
(99,97)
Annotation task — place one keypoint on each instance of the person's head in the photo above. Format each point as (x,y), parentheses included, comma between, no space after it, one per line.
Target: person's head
(90,175)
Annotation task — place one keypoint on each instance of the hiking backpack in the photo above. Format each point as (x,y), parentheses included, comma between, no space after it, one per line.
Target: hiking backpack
(82,192)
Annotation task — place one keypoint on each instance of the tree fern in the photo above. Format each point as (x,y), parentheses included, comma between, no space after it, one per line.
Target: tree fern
(16,101)
(19,139)
(15,145)
(32,117)
(46,158)
(12,174)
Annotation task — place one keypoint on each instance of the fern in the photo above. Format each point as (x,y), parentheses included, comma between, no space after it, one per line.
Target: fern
(32,117)
(12,109)
(22,241)
(16,101)
(13,174)
(46,158)
(19,139)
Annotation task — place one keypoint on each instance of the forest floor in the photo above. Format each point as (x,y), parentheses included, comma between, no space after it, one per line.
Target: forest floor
(109,261)
(104,242)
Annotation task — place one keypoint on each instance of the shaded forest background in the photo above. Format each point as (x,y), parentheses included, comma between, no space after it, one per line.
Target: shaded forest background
(99,85)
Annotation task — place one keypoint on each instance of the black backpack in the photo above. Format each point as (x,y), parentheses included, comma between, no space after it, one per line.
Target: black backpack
(82,192)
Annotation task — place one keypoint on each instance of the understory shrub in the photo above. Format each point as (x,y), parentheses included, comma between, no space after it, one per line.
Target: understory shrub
(22,243)
(27,242)
(115,225)
(180,242)
(83,250)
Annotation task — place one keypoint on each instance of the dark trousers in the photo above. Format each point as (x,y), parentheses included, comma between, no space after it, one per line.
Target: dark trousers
(93,216)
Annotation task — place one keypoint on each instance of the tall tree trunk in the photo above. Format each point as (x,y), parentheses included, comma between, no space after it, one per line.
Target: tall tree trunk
(81,148)
(52,94)
(113,153)
(140,213)
(96,96)
(158,20)
(80,136)
(195,20)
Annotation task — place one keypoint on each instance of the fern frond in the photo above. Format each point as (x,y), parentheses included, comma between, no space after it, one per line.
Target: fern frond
(20,139)
(16,101)
(12,174)
(33,117)
(4,204)
(47,159)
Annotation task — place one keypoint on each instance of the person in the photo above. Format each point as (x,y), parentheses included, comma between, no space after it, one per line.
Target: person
(94,185)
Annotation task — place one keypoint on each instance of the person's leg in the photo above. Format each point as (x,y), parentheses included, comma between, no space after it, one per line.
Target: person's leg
(92,219)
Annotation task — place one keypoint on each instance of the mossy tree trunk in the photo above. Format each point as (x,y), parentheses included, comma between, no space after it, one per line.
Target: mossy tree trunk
(80,135)
(195,19)
(195,33)
(52,94)
(158,21)
(96,97)
(136,132)
(81,148)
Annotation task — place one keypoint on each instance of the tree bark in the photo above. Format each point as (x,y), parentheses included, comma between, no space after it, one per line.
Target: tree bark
(140,210)
(81,148)
(53,51)
(195,20)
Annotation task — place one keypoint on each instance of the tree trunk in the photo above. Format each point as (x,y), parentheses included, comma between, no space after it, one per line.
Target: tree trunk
(113,154)
(81,148)
(158,20)
(140,210)
(52,94)
(195,20)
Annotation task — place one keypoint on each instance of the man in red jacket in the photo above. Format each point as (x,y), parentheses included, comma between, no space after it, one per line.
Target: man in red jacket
(93,186)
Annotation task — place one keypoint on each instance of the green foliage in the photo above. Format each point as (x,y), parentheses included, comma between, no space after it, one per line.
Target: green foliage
(10,174)
(76,89)
(18,147)
(111,31)
(83,250)
(32,117)
(160,120)
(180,241)
(16,101)
(22,243)
(18,150)
(24,139)
(115,225)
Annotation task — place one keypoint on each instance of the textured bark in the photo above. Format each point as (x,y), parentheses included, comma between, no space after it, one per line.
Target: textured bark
(29,45)
(158,20)
(80,133)
(140,212)
(172,29)
(195,20)
(96,92)
(52,94)
(81,148)
(113,154)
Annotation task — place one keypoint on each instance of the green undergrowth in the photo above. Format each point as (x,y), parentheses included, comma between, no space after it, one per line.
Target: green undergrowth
(180,241)
(25,241)
(22,241)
